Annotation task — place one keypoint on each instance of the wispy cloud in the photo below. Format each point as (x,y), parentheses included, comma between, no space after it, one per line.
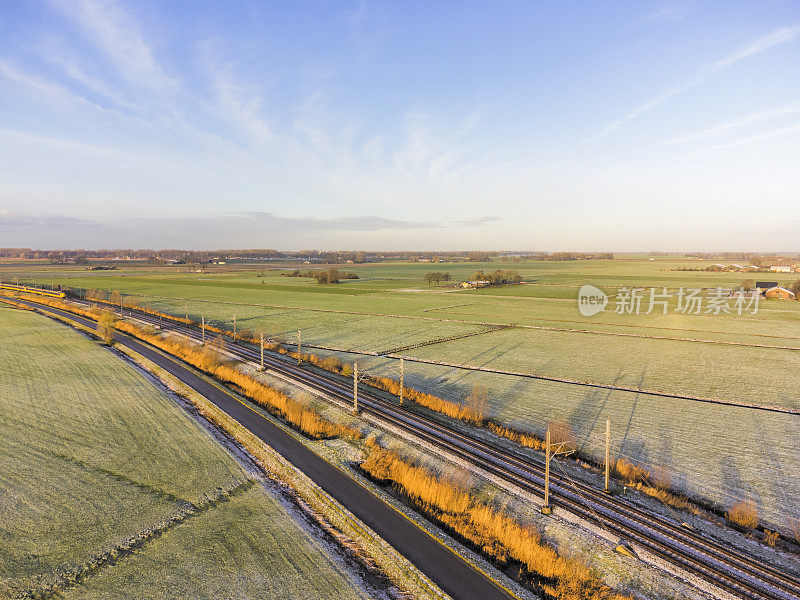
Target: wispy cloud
(368,28)
(112,29)
(72,147)
(727,127)
(240,104)
(10,222)
(776,38)
(669,14)
(41,90)
(753,139)
(436,146)
(94,84)
(761,44)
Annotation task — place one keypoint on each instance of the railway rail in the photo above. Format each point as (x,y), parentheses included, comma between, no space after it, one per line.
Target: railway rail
(725,567)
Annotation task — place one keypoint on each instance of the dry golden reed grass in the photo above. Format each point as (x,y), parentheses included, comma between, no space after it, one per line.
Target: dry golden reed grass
(654,485)
(213,362)
(743,514)
(771,538)
(105,326)
(497,534)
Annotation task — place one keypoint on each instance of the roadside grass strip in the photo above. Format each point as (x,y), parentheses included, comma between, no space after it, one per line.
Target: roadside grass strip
(487,528)
(101,470)
(335,518)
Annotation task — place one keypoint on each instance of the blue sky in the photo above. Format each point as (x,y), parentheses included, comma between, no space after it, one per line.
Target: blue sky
(435,125)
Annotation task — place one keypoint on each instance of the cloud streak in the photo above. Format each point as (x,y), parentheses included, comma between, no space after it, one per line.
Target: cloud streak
(757,46)
(753,139)
(41,89)
(780,36)
(115,32)
(727,127)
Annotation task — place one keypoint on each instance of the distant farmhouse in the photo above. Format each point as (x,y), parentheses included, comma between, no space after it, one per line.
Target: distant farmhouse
(780,293)
(771,289)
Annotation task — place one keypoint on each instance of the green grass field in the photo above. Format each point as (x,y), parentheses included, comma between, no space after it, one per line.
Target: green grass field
(95,456)
(708,449)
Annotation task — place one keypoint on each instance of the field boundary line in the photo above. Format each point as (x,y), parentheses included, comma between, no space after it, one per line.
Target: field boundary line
(764,335)
(621,388)
(446,307)
(487,324)
(329,310)
(119,552)
(442,340)
(145,487)
(659,337)
(640,326)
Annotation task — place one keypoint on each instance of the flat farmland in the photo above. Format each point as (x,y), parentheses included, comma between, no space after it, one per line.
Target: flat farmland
(348,331)
(719,452)
(681,367)
(707,449)
(97,461)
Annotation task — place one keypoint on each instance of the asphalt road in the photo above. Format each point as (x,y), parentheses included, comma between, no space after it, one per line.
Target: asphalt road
(449,571)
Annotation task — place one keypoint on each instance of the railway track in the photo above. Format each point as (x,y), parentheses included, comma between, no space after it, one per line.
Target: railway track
(723,566)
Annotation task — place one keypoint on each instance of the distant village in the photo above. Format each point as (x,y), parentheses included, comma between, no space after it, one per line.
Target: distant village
(735,268)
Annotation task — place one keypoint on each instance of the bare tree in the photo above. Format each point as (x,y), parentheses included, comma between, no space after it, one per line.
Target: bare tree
(106,326)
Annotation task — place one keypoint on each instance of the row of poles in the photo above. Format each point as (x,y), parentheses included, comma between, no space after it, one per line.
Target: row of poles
(551,450)
(356,377)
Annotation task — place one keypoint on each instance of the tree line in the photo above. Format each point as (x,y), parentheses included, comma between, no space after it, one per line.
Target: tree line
(81,256)
(498,277)
(330,275)
(436,277)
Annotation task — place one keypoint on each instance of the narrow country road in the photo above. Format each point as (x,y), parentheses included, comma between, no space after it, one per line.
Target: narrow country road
(449,571)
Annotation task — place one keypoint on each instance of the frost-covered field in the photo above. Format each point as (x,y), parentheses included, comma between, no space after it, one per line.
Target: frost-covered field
(95,457)
(723,453)
(712,451)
